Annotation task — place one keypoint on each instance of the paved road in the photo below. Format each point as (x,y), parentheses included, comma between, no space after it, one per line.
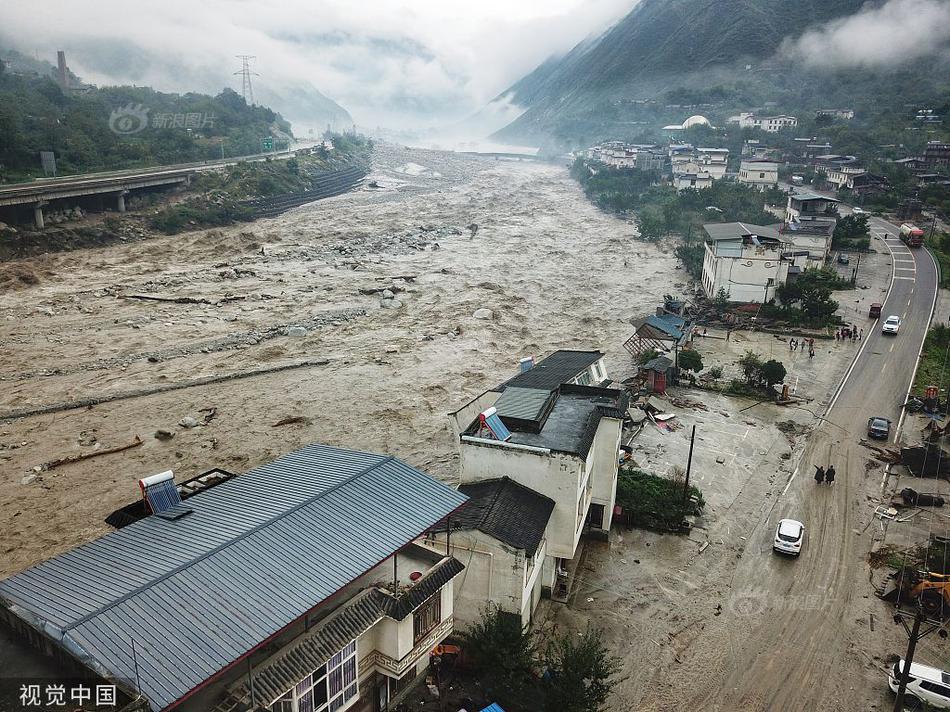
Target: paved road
(795,650)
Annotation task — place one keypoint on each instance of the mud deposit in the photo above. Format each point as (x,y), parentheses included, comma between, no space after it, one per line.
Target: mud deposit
(554,271)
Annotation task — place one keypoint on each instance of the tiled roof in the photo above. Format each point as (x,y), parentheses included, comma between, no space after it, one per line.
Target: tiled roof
(506,510)
(549,373)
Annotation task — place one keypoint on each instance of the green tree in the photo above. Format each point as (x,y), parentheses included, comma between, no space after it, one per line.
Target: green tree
(721,300)
(502,654)
(691,360)
(652,223)
(772,372)
(848,229)
(647,356)
(751,365)
(582,673)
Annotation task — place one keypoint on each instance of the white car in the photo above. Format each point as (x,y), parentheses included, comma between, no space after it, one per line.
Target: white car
(926,684)
(857,211)
(789,537)
(891,325)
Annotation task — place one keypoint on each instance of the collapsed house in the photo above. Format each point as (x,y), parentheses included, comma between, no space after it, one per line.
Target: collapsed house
(555,429)
(294,587)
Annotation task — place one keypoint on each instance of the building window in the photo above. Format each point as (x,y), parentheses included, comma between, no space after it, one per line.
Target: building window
(427,617)
(326,689)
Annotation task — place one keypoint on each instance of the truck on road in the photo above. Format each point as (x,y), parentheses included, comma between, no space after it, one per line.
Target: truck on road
(911,235)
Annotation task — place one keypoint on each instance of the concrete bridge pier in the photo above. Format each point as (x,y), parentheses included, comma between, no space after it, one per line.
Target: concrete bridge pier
(120,201)
(38,214)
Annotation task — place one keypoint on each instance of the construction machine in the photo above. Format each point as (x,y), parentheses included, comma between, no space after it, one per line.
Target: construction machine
(927,589)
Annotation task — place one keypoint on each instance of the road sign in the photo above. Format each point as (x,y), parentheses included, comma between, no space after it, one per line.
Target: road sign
(268,143)
(48,159)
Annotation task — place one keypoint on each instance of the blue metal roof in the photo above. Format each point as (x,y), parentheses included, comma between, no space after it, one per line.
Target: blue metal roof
(256,553)
(668,324)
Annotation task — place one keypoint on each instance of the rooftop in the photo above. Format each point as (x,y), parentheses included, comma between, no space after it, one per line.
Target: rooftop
(198,593)
(812,196)
(572,423)
(739,230)
(506,510)
(549,373)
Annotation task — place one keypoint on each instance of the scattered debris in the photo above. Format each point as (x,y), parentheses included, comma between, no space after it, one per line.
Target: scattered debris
(292,420)
(163,434)
(76,458)
(483,313)
(188,422)
(919,499)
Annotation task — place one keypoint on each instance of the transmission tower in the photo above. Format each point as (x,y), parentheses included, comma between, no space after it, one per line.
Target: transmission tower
(246,90)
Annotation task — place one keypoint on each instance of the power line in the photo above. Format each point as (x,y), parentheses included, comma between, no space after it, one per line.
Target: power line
(247,91)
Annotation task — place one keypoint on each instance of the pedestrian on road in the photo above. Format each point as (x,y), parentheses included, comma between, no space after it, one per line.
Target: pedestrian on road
(837,334)
(811,353)
(830,475)
(861,335)
(819,474)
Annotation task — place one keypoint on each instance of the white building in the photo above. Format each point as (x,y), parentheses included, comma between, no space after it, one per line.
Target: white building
(682,181)
(846,114)
(713,161)
(747,261)
(564,444)
(758,172)
(810,220)
(500,534)
(295,587)
(842,176)
(772,124)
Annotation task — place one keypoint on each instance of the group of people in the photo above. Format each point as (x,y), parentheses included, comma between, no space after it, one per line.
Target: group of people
(795,345)
(823,475)
(852,333)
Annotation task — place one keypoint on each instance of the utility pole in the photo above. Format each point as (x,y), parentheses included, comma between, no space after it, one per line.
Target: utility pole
(689,465)
(914,635)
(246,90)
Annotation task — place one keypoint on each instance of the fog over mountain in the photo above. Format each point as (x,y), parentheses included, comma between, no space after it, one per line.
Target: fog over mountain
(395,63)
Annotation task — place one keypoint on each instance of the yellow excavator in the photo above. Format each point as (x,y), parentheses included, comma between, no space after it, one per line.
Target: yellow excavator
(929,590)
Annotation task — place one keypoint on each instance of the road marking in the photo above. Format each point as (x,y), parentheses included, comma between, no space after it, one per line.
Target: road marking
(884,368)
(933,307)
(910,278)
(892,346)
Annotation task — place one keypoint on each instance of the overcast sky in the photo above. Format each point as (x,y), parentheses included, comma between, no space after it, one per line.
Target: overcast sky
(389,62)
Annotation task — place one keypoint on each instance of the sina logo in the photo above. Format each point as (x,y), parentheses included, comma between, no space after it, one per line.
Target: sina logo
(128,119)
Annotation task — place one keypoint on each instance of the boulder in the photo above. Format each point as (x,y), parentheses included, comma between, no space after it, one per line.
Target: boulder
(483,313)
(296,331)
(163,434)
(188,422)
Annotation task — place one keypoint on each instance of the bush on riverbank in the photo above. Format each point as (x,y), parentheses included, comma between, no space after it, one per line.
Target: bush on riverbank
(934,366)
(655,502)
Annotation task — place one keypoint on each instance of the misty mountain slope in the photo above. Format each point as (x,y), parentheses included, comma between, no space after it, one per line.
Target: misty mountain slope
(665,44)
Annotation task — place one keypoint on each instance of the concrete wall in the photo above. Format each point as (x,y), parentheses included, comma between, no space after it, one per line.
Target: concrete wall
(495,573)
(605,451)
(745,277)
(464,416)
(759,174)
(557,475)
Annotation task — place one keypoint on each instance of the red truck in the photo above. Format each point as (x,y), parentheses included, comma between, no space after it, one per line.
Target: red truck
(911,236)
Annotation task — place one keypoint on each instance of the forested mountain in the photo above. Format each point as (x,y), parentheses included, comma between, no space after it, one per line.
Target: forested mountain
(720,55)
(118,127)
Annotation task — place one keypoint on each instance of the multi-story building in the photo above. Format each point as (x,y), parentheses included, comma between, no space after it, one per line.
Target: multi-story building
(759,172)
(296,587)
(845,114)
(772,124)
(810,220)
(561,440)
(747,261)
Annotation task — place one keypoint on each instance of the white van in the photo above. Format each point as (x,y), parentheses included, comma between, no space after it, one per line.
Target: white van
(926,684)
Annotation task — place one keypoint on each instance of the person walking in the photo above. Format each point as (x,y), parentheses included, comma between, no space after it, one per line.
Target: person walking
(819,474)
(837,334)
(861,335)
(830,475)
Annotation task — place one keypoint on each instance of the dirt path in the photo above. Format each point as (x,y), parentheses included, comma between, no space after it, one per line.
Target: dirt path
(555,271)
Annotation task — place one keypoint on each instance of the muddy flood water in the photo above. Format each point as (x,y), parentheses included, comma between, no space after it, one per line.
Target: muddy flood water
(554,271)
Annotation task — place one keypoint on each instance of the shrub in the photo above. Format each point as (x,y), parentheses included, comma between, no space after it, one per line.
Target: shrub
(655,502)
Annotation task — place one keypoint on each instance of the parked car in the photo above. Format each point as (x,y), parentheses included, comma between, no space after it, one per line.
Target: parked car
(891,325)
(843,258)
(879,427)
(789,537)
(875,311)
(925,684)
(857,211)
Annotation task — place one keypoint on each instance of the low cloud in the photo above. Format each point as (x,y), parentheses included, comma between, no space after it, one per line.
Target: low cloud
(397,63)
(882,36)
